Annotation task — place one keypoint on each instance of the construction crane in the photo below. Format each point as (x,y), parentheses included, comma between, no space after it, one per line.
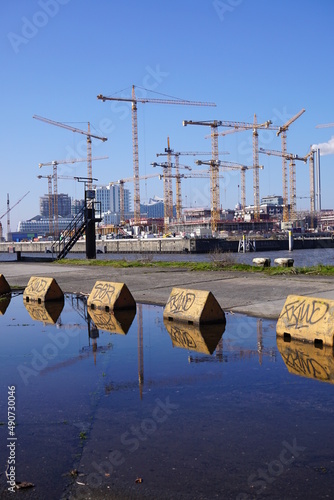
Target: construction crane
(240,127)
(214,187)
(49,178)
(89,143)
(134,101)
(282,131)
(54,165)
(176,155)
(292,170)
(228,165)
(8,215)
(121,183)
(214,179)
(310,157)
(168,215)
(11,208)
(168,194)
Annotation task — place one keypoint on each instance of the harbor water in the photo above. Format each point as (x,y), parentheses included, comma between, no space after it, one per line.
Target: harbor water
(301,258)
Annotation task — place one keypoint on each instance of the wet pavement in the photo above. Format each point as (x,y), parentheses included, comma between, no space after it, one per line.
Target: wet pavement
(246,293)
(104,401)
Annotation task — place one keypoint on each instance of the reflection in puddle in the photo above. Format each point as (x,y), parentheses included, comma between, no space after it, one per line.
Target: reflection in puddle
(47,312)
(113,322)
(200,338)
(195,412)
(307,360)
(4,303)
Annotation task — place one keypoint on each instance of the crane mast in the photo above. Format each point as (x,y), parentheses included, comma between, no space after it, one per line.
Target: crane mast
(292,177)
(282,130)
(178,190)
(214,170)
(256,181)
(310,157)
(136,187)
(8,216)
(121,201)
(11,208)
(55,198)
(284,178)
(177,176)
(311,173)
(215,192)
(169,182)
(54,165)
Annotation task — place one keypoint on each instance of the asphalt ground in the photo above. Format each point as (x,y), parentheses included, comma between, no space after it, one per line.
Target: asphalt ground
(247,293)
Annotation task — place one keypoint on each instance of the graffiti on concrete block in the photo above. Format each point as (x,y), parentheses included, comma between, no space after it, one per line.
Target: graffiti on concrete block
(103,292)
(304,313)
(182,338)
(305,365)
(37,286)
(181,301)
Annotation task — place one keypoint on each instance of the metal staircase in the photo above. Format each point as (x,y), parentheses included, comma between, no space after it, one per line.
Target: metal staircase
(74,230)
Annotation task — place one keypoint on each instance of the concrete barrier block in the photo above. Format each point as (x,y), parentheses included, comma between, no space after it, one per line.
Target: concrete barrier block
(4,287)
(46,312)
(308,319)
(284,262)
(113,322)
(193,307)
(306,360)
(41,289)
(262,261)
(199,338)
(108,296)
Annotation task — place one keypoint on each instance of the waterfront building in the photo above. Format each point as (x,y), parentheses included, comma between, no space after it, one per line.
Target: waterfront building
(40,225)
(76,206)
(64,205)
(114,218)
(109,197)
(272,199)
(154,208)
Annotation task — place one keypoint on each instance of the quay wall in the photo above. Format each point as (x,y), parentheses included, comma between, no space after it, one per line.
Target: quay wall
(171,245)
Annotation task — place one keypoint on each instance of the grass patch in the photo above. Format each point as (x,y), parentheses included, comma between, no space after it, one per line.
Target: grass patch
(215,265)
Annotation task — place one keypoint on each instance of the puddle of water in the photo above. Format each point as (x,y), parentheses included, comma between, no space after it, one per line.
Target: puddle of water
(195,414)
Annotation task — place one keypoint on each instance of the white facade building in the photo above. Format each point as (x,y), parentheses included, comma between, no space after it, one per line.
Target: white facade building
(109,196)
(40,225)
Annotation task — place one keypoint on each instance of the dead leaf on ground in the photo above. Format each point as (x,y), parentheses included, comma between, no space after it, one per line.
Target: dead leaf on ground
(24,484)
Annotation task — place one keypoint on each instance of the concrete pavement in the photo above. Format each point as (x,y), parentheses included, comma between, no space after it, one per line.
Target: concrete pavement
(252,294)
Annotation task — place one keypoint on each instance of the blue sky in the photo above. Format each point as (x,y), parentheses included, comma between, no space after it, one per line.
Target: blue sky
(248,56)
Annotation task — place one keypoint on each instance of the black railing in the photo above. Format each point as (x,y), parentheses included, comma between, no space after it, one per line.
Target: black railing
(70,235)
(75,229)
